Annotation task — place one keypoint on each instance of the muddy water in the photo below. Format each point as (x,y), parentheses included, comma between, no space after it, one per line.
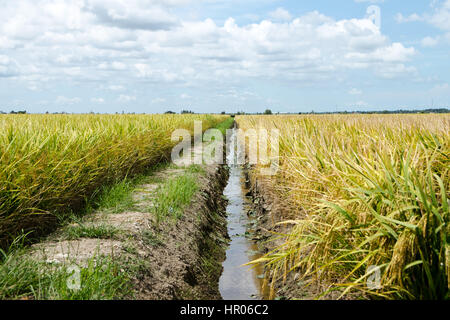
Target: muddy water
(239,282)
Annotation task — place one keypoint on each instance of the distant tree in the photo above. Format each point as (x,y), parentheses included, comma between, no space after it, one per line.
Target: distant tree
(170,112)
(268,112)
(223,112)
(187,112)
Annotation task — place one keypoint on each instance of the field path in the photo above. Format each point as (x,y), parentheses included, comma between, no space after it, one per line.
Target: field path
(171,259)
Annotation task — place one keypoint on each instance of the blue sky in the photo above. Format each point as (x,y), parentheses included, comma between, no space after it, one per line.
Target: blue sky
(150,56)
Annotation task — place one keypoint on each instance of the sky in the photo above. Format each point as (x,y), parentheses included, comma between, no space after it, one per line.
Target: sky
(208,56)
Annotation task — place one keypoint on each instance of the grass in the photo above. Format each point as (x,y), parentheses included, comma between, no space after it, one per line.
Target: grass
(362,191)
(90,231)
(173,196)
(196,169)
(118,197)
(21,277)
(225,125)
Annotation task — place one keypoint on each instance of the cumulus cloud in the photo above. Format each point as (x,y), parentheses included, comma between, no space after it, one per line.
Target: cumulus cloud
(131,14)
(144,41)
(430,41)
(8,67)
(126,98)
(400,18)
(280,14)
(439,18)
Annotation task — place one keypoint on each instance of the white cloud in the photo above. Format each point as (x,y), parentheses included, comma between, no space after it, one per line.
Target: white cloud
(131,14)
(158,100)
(126,98)
(280,14)
(411,18)
(8,67)
(439,18)
(116,87)
(440,89)
(355,92)
(114,65)
(360,103)
(98,100)
(430,41)
(142,41)
(396,70)
(62,100)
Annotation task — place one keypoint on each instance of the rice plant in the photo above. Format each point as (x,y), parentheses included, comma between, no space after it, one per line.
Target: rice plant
(363,192)
(51,164)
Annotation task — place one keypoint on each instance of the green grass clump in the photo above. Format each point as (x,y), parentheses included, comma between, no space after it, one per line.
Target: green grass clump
(223,126)
(173,196)
(196,169)
(90,231)
(116,198)
(23,278)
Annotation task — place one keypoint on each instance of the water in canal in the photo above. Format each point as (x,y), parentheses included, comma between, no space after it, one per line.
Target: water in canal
(239,282)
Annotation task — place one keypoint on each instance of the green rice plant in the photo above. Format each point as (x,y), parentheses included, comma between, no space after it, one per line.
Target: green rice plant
(52,164)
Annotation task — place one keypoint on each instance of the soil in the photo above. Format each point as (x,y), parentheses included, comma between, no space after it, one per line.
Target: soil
(188,263)
(175,259)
